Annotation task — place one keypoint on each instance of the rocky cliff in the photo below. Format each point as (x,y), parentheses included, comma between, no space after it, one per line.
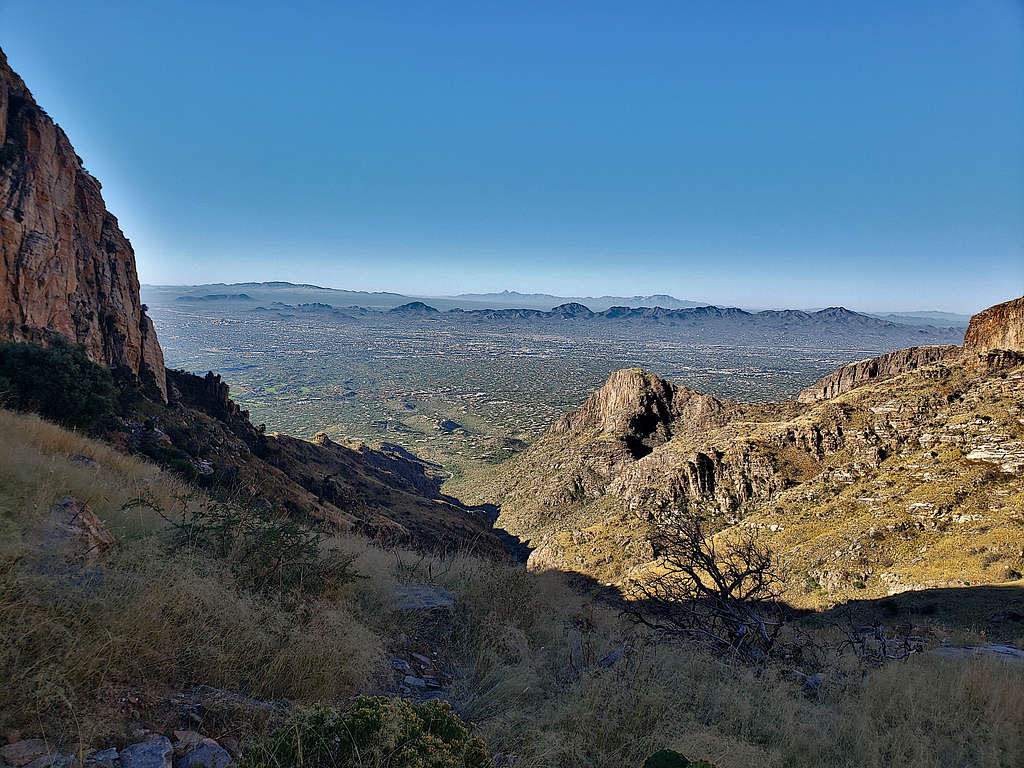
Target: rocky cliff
(877,490)
(998,327)
(65,264)
(642,411)
(882,367)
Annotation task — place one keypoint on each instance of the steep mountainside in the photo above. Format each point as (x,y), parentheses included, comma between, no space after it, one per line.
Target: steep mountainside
(908,481)
(387,493)
(66,266)
(998,327)
(882,367)
(69,271)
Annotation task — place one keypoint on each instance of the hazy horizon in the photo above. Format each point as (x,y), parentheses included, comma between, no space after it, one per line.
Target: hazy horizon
(787,156)
(623,294)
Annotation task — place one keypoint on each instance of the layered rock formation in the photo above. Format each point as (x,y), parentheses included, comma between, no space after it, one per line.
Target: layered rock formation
(870,489)
(998,327)
(882,367)
(992,338)
(66,266)
(642,410)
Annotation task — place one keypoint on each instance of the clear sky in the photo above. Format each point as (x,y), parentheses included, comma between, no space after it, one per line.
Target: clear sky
(865,153)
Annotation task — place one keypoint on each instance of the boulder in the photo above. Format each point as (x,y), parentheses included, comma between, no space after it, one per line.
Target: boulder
(25,751)
(155,753)
(105,758)
(209,754)
(73,532)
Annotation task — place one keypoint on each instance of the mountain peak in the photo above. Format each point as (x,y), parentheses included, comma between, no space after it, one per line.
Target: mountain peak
(414,307)
(573,309)
(632,403)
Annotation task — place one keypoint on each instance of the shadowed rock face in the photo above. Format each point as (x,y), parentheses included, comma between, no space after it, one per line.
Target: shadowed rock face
(642,410)
(882,367)
(66,266)
(998,327)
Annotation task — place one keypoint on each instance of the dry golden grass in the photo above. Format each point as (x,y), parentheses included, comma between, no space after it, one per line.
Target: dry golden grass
(524,647)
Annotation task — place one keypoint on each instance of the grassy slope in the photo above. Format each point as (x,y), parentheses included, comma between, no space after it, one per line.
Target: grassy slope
(524,645)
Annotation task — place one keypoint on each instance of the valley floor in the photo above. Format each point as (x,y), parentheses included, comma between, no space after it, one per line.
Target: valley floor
(91,651)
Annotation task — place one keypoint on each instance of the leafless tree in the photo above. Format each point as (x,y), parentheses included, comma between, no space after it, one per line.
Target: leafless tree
(874,643)
(723,593)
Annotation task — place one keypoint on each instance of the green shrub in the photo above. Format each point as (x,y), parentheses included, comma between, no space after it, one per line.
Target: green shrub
(58,382)
(266,552)
(374,732)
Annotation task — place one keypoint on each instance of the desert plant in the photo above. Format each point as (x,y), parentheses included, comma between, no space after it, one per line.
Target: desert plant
(377,732)
(265,551)
(59,382)
(720,593)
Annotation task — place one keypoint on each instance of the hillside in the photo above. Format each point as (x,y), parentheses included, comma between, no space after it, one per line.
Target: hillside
(71,273)
(138,636)
(908,478)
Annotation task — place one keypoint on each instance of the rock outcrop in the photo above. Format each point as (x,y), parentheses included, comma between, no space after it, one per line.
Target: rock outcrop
(66,266)
(839,486)
(642,410)
(998,327)
(863,372)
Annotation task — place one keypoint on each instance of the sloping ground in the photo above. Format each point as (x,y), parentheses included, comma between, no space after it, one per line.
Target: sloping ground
(898,484)
(147,638)
(68,270)
(386,494)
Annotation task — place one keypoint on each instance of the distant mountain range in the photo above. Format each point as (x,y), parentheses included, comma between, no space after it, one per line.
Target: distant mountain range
(516,300)
(926,318)
(831,327)
(302,293)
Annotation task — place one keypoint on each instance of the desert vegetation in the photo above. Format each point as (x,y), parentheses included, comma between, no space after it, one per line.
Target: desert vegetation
(58,381)
(541,668)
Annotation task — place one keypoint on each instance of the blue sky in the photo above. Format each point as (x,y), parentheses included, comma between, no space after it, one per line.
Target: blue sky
(866,153)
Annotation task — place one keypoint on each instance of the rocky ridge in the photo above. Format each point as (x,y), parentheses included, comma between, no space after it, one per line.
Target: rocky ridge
(884,366)
(68,268)
(992,340)
(911,444)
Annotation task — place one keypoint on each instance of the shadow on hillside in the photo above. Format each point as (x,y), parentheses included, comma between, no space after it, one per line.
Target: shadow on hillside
(997,612)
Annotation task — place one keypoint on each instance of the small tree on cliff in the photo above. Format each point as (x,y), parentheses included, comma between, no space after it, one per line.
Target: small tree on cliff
(59,382)
(723,593)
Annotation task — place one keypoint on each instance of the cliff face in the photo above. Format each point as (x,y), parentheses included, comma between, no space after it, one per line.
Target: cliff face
(842,488)
(857,374)
(64,263)
(998,327)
